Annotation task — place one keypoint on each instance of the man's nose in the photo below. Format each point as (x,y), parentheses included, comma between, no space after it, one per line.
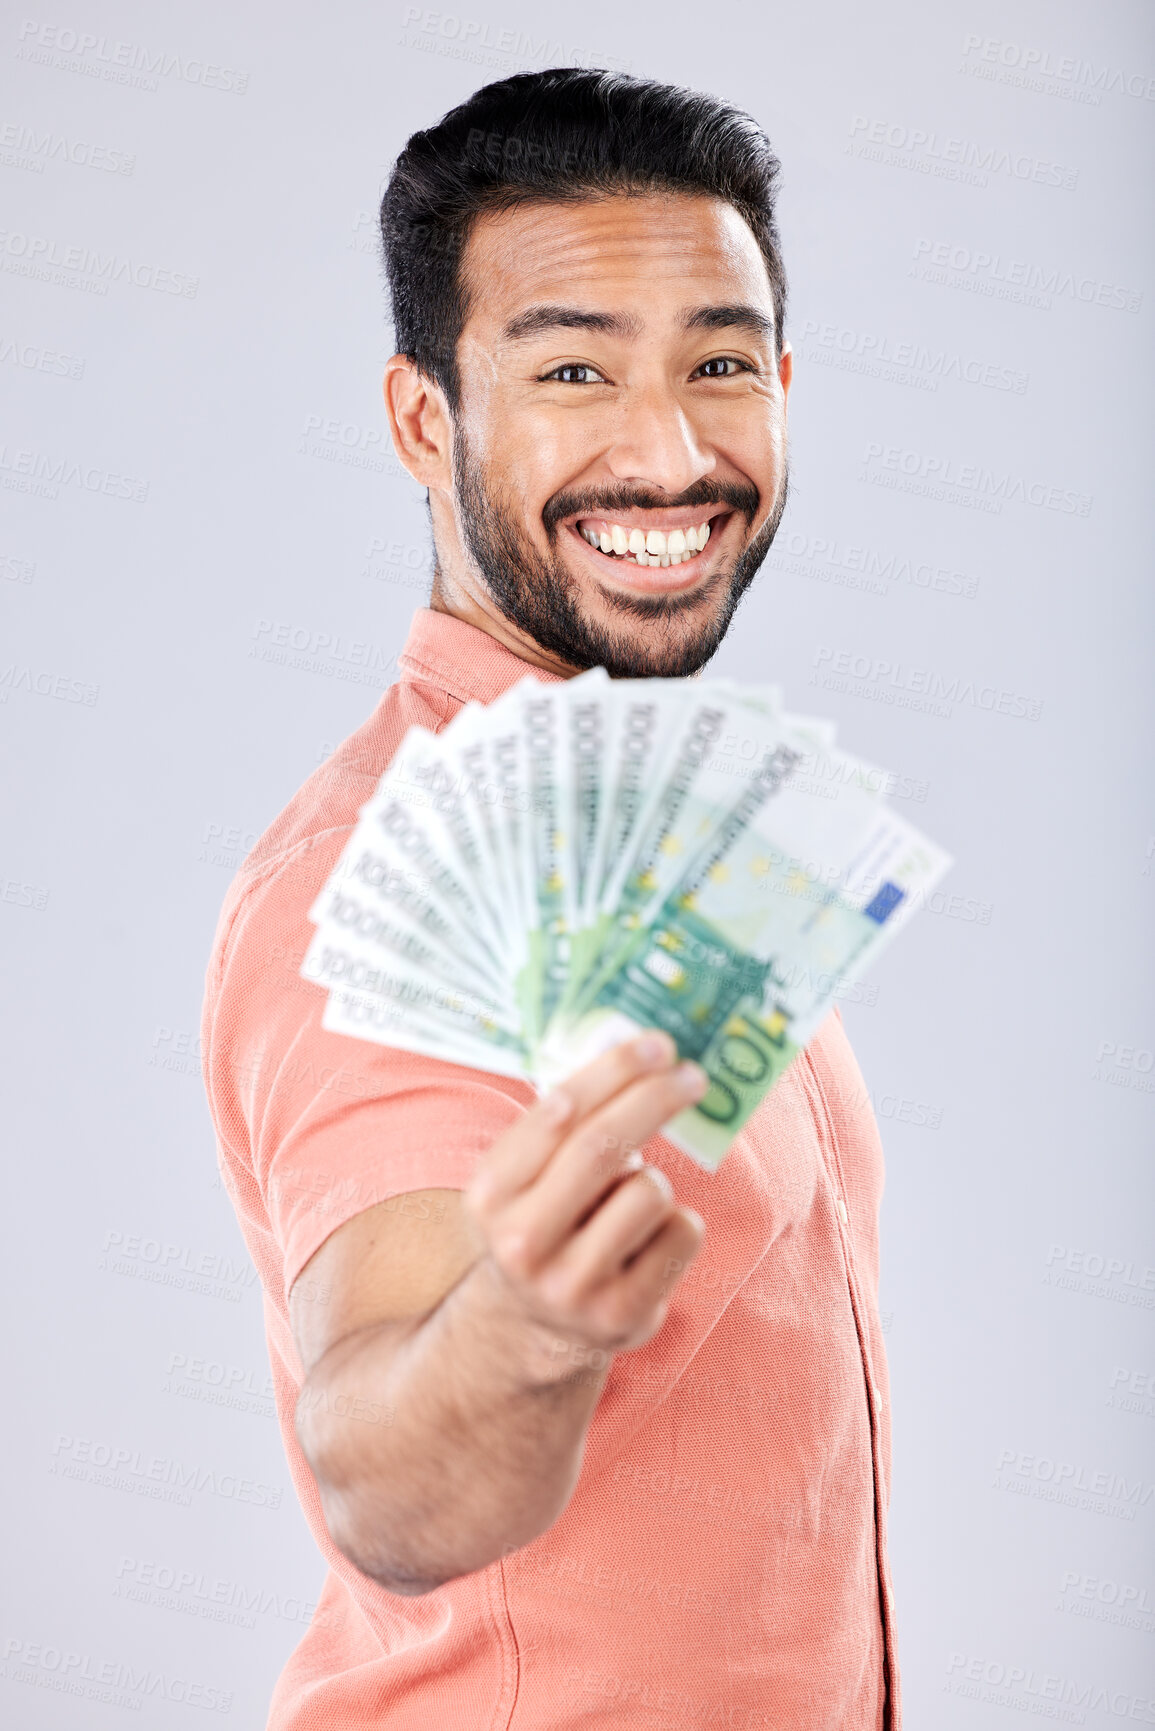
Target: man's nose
(656,443)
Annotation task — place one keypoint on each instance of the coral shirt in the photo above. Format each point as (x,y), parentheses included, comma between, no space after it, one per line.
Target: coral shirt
(722,1560)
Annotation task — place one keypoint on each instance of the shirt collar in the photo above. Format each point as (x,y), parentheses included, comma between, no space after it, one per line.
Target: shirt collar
(459,659)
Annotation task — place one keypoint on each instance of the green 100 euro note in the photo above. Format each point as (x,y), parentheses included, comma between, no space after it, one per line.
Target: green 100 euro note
(744,957)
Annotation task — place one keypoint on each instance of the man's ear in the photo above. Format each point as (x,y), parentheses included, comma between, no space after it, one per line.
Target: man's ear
(420,423)
(786,370)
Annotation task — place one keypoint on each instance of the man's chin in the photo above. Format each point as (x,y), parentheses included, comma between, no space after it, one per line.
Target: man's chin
(657,636)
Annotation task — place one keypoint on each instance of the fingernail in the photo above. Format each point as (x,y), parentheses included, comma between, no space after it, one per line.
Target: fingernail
(692,1080)
(557,1106)
(654,1047)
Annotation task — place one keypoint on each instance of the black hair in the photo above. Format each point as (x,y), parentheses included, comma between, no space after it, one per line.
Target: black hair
(564,133)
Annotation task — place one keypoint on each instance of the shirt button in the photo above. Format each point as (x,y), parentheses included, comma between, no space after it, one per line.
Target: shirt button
(842,1214)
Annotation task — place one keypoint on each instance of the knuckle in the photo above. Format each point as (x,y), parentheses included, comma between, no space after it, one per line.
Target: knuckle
(619,1320)
(655,1179)
(600,1148)
(513,1253)
(561,1290)
(478,1199)
(649,1196)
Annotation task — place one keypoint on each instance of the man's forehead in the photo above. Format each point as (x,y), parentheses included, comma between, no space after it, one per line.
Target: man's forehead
(623,254)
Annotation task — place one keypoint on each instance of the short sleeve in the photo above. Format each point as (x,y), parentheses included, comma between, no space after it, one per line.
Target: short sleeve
(315,1127)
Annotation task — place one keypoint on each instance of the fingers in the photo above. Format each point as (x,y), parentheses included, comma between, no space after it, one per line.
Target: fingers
(595,1157)
(624,1224)
(629,1307)
(520,1155)
(600,1080)
(587,1241)
(517,1157)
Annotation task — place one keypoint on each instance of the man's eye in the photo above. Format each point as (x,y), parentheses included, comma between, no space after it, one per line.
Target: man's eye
(565,374)
(723,361)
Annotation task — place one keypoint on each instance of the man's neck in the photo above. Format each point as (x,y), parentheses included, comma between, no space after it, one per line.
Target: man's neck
(450,597)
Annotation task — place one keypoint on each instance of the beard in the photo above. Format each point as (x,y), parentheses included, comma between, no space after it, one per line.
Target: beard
(646,636)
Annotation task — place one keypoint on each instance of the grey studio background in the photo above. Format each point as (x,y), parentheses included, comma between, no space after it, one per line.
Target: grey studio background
(209,561)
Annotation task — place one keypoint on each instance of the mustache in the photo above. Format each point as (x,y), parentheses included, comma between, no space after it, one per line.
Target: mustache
(733,495)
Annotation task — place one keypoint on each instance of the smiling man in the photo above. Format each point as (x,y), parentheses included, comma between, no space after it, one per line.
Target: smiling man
(587,1436)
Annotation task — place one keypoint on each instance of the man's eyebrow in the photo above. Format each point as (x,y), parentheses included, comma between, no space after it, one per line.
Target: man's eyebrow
(535,320)
(739,316)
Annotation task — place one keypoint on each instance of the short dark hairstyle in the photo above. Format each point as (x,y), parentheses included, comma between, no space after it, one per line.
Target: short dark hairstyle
(562,134)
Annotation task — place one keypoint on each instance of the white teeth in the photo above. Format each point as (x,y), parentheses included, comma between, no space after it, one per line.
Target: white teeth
(649,547)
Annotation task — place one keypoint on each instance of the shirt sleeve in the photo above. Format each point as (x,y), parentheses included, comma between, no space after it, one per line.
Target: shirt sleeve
(316,1127)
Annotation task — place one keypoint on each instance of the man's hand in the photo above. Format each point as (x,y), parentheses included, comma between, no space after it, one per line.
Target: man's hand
(581,1233)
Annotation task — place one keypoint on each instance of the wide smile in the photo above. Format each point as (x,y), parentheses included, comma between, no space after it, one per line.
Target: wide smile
(654,552)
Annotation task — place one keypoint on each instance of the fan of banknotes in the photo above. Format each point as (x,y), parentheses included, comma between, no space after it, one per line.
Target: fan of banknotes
(582,859)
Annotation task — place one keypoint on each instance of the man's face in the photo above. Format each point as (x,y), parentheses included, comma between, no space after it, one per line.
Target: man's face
(619,457)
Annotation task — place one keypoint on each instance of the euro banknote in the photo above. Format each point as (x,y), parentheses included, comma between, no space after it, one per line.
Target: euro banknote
(577,861)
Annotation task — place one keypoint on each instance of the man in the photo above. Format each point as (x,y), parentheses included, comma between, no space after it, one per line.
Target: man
(587,1435)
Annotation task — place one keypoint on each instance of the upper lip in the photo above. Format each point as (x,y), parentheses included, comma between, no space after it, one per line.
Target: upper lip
(677,517)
